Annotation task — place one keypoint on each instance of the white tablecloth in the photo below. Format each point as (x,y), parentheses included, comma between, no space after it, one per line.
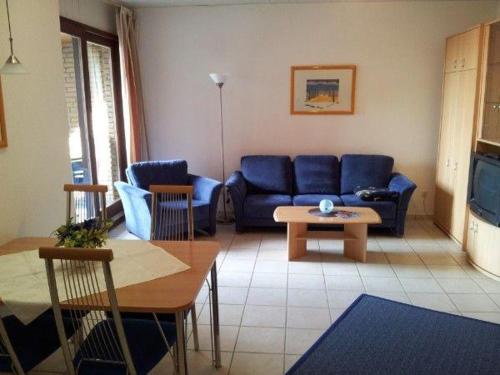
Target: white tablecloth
(23,280)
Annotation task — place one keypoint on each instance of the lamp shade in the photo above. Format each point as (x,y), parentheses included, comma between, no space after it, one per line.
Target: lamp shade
(12,66)
(218,78)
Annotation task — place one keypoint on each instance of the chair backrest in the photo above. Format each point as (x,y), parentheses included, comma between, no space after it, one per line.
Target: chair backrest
(172,212)
(78,279)
(86,202)
(7,352)
(165,172)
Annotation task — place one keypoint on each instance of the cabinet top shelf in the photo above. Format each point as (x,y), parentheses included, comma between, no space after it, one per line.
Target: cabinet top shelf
(489,142)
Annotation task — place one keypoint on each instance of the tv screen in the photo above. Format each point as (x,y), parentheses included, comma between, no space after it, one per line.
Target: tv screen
(484,187)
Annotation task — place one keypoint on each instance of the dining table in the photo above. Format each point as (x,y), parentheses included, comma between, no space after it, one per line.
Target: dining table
(173,294)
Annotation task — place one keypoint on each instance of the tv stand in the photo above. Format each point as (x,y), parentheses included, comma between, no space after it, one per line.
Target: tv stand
(483,246)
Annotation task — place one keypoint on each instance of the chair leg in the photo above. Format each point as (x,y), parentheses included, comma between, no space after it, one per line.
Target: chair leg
(194,321)
(176,358)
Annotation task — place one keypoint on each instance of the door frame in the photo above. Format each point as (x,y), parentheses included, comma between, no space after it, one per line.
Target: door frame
(90,34)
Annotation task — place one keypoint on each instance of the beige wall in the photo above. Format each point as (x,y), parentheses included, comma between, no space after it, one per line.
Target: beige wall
(36,163)
(397,46)
(95,13)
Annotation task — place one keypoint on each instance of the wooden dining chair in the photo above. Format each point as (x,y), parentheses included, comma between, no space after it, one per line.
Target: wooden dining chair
(86,202)
(172,212)
(24,346)
(172,220)
(80,281)
(8,357)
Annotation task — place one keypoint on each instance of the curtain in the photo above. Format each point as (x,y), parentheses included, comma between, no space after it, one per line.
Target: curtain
(135,124)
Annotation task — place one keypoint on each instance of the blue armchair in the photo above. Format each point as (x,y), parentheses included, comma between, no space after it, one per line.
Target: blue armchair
(136,198)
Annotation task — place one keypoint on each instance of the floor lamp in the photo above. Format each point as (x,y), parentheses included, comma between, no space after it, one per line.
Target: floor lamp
(219,79)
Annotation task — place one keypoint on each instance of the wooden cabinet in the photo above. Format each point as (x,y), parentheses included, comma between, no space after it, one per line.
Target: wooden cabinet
(483,245)
(462,51)
(457,132)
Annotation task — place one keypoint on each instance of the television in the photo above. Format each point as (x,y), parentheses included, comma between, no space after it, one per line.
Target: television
(484,187)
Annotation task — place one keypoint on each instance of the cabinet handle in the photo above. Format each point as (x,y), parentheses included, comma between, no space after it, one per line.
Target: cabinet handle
(463,62)
(447,162)
(455,166)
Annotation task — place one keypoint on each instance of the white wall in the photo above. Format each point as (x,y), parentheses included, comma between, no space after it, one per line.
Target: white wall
(94,13)
(35,165)
(397,46)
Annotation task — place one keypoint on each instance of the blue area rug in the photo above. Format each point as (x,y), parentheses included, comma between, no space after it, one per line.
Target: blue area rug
(378,336)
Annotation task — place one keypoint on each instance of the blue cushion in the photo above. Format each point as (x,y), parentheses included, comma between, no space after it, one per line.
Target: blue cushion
(35,341)
(170,172)
(263,205)
(145,342)
(314,199)
(386,209)
(267,174)
(364,171)
(316,174)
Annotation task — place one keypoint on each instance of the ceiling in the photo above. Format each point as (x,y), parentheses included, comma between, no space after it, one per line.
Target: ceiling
(164,3)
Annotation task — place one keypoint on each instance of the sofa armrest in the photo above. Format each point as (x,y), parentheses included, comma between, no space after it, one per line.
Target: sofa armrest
(237,188)
(405,187)
(137,207)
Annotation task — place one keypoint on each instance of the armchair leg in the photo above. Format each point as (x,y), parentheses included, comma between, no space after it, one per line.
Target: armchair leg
(194,321)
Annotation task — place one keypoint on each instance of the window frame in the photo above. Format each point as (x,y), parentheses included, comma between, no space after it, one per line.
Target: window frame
(90,34)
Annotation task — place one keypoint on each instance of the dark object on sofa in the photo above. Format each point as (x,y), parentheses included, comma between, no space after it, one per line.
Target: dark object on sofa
(136,198)
(266,182)
(372,193)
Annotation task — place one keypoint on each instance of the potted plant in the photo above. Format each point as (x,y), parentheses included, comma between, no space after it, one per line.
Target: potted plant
(90,233)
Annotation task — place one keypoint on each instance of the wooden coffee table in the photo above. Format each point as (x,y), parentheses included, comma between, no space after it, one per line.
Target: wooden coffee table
(354,234)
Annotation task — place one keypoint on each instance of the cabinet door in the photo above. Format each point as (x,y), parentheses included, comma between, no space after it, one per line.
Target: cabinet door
(462,146)
(444,176)
(486,253)
(452,53)
(468,49)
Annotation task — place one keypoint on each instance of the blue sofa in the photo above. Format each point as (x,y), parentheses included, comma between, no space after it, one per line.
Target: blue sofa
(136,198)
(266,182)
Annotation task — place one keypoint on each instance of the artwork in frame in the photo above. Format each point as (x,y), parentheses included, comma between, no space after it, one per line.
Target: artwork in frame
(322,89)
(3,129)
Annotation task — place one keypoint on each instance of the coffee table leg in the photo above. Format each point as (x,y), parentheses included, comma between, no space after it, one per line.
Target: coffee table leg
(356,248)
(296,248)
(181,343)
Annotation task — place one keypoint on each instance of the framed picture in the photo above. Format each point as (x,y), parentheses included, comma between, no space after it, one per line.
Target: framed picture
(322,89)
(3,130)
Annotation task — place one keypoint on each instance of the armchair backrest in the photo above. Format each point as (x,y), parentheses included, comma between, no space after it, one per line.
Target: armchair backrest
(168,172)
(364,171)
(267,173)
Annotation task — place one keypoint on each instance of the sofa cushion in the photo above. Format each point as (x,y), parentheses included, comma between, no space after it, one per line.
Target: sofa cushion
(263,205)
(386,209)
(267,174)
(169,172)
(314,199)
(316,174)
(364,171)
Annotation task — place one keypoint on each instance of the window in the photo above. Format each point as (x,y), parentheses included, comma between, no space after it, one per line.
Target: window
(94,107)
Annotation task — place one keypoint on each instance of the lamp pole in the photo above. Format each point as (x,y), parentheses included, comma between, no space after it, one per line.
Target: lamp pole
(219,80)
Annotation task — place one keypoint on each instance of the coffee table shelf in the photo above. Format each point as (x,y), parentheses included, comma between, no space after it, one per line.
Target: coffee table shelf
(326,235)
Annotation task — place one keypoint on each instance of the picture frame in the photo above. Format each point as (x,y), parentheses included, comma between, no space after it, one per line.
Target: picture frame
(322,89)
(3,128)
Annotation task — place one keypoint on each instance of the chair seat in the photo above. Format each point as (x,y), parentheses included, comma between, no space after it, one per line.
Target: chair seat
(386,209)
(200,208)
(145,342)
(263,205)
(35,341)
(314,199)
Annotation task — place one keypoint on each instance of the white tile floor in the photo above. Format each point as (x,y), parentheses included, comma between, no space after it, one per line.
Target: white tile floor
(272,310)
